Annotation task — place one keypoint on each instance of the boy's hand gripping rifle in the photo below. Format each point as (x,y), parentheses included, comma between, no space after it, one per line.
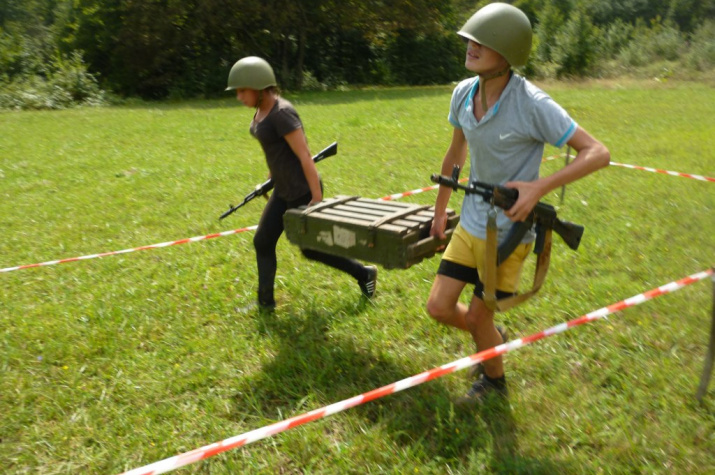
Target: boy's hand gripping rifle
(267,185)
(543,216)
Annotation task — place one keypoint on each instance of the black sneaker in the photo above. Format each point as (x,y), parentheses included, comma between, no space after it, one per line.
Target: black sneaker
(478,369)
(369,285)
(482,389)
(257,306)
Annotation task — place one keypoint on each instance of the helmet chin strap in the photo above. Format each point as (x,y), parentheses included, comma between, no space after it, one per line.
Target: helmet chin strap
(483,82)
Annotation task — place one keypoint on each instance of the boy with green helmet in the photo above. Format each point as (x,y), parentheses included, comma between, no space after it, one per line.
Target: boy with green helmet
(506,30)
(278,128)
(504,134)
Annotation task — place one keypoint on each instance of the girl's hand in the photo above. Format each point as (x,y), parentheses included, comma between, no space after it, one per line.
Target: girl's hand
(315,200)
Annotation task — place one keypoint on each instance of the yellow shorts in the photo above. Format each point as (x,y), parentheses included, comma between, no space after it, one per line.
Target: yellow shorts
(469,251)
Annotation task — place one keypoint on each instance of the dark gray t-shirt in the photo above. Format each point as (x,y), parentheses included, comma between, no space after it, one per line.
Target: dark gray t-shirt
(284,165)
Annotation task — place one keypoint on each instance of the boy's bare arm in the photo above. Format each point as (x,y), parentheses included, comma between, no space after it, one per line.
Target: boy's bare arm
(456,155)
(591,155)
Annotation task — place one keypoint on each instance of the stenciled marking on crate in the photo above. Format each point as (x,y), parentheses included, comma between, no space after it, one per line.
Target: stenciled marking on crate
(325,237)
(339,237)
(343,237)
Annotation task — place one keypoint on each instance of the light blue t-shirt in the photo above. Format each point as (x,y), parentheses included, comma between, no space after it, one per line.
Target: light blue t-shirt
(507,144)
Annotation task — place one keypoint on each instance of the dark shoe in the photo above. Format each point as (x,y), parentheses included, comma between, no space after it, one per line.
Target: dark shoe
(482,389)
(257,306)
(265,297)
(267,307)
(478,369)
(369,285)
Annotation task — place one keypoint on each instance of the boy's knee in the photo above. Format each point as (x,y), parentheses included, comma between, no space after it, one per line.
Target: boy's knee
(437,309)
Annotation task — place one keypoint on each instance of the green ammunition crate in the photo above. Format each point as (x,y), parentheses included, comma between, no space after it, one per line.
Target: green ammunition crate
(394,235)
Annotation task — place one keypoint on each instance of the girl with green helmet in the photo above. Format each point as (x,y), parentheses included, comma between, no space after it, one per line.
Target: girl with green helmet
(278,128)
(502,122)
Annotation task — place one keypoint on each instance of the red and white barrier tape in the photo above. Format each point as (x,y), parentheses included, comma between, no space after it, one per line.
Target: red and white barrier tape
(184,241)
(653,170)
(666,172)
(267,431)
(125,251)
(397,196)
(251,228)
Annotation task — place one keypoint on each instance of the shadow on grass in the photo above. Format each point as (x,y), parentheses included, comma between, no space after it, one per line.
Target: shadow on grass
(312,366)
(309,360)
(483,439)
(497,415)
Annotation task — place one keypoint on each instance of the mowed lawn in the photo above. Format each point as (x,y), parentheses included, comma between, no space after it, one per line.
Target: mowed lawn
(113,363)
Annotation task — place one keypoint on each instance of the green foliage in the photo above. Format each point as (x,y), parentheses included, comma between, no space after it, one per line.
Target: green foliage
(615,38)
(630,11)
(10,55)
(22,53)
(688,15)
(581,40)
(424,59)
(662,41)
(550,21)
(576,45)
(175,49)
(34,73)
(62,83)
(330,58)
(155,49)
(311,83)
(701,55)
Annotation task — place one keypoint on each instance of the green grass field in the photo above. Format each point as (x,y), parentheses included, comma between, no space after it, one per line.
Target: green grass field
(110,364)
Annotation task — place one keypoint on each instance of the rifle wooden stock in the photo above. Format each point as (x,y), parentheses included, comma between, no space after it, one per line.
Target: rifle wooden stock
(571,233)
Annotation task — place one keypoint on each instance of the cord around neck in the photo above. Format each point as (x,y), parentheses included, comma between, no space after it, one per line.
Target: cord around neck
(483,82)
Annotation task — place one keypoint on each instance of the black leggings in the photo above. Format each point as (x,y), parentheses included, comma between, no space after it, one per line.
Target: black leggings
(270,228)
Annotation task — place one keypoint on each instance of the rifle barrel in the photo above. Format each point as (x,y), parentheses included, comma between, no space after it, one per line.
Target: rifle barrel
(267,185)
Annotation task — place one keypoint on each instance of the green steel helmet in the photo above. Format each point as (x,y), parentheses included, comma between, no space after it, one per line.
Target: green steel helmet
(503,28)
(251,72)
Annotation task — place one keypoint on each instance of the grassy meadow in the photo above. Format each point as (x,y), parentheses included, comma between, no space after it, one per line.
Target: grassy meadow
(110,364)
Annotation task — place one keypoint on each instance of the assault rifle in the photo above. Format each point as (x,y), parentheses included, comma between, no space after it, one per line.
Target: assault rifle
(543,215)
(267,185)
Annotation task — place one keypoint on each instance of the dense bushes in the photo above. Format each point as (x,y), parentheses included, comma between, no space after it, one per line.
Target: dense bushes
(701,54)
(34,74)
(63,82)
(646,45)
(581,49)
(57,53)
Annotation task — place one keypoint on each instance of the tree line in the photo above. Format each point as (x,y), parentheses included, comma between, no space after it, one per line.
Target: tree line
(69,51)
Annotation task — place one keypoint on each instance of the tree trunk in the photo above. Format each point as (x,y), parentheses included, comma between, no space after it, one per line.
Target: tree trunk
(302,38)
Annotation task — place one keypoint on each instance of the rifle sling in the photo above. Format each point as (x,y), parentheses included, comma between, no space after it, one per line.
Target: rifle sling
(490,278)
